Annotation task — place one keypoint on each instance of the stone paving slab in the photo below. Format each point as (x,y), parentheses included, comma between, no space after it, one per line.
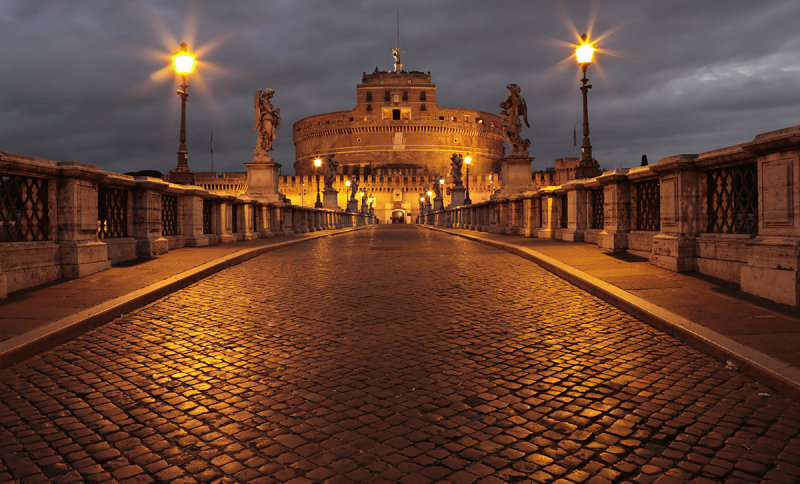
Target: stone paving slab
(438,360)
(760,337)
(36,319)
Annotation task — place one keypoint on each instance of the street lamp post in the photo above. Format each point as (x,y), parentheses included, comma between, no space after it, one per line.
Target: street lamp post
(467,200)
(583,52)
(317,164)
(183,62)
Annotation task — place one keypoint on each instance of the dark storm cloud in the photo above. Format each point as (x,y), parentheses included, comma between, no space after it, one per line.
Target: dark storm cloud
(81,79)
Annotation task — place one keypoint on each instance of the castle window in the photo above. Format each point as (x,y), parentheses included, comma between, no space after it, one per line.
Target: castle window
(423,108)
(479,121)
(395,114)
(423,95)
(369,96)
(369,108)
(405,95)
(386,95)
(441,118)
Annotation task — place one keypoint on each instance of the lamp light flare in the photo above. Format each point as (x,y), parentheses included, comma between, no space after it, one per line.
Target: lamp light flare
(317,162)
(183,60)
(584,51)
(468,160)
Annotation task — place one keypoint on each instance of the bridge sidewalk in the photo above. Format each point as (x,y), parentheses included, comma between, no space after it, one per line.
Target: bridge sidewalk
(34,320)
(758,337)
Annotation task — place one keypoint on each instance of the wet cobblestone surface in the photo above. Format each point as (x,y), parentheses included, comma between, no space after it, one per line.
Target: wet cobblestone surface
(390,354)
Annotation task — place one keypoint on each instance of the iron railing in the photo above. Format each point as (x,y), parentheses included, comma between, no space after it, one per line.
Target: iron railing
(536,205)
(234,218)
(733,199)
(208,216)
(23,208)
(169,215)
(648,206)
(112,213)
(563,201)
(598,200)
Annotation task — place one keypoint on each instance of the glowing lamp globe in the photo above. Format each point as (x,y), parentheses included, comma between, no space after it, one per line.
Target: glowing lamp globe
(184,61)
(317,162)
(584,51)
(468,160)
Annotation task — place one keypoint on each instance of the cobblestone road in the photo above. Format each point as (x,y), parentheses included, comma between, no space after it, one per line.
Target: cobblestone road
(389,354)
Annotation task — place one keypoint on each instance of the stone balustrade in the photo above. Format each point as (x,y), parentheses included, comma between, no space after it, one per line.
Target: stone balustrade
(731,213)
(63,220)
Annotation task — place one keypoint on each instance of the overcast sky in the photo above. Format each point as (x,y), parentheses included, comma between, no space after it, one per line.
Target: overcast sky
(86,80)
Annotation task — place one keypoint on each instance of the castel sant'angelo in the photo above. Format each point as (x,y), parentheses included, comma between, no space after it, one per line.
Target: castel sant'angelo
(394,145)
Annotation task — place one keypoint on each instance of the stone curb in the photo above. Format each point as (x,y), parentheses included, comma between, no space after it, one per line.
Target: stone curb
(776,373)
(23,346)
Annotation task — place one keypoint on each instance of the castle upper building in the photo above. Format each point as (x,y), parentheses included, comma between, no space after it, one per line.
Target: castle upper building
(396,128)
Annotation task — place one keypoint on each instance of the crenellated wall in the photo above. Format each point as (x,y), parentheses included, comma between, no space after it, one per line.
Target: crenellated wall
(732,213)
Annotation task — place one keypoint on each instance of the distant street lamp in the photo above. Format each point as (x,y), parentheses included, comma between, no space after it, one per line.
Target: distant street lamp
(467,200)
(583,52)
(183,61)
(317,164)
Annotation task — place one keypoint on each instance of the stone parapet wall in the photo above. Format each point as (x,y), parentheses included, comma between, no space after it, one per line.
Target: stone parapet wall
(63,220)
(731,213)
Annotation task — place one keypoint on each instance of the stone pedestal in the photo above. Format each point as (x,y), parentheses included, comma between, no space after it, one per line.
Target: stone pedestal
(516,174)
(616,211)
(262,178)
(3,286)
(457,196)
(81,258)
(147,217)
(438,203)
(352,205)
(181,175)
(329,198)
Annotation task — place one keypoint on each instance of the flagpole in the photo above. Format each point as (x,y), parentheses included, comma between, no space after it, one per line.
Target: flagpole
(212,151)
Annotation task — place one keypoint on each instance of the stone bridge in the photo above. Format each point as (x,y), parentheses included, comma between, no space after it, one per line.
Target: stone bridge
(316,346)
(387,354)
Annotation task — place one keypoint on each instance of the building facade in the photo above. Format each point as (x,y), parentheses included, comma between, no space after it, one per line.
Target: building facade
(394,144)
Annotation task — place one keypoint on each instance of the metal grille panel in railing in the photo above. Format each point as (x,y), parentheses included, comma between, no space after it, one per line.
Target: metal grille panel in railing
(733,199)
(208,216)
(169,215)
(648,205)
(598,200)
(537,204)
(112,213)
(564,211)
(234,218)
(23,208)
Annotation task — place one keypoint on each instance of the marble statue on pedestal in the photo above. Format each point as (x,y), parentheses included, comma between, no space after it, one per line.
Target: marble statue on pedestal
(353,187)
(437,187)
(513,107)
(330,171)
(268,120)
(456,161)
